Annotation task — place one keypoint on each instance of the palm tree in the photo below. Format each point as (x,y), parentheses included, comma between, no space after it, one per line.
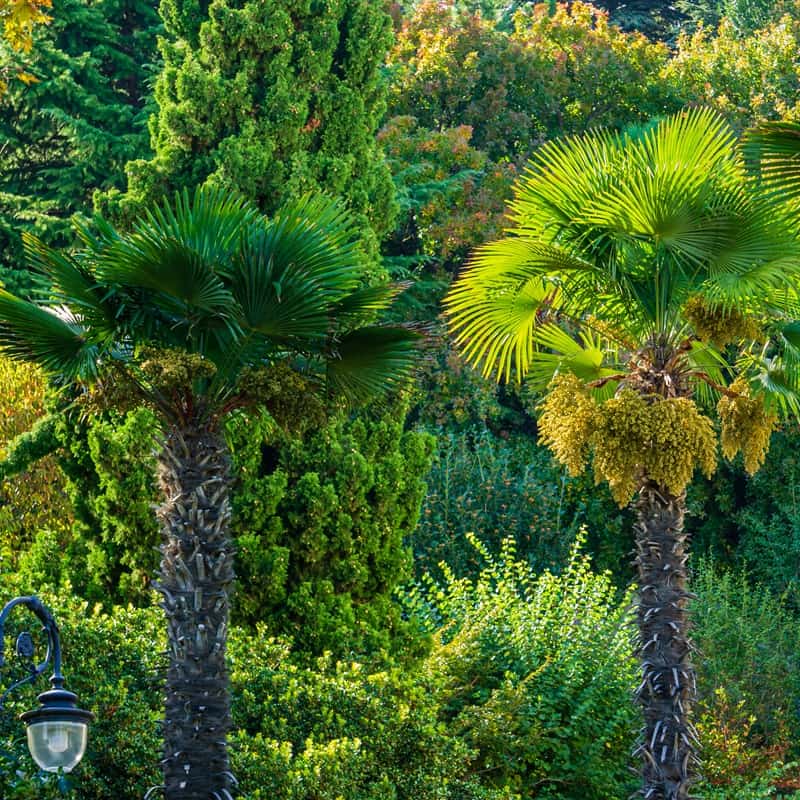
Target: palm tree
(641,281)
(206,307)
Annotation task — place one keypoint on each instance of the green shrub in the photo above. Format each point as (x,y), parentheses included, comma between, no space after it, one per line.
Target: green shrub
(341,730)
(748,643)
(319,521)
(523,694)
(537,675)
(498,487)
(326,731)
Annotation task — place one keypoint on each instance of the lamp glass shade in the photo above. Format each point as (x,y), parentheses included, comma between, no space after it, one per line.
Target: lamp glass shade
(57,744)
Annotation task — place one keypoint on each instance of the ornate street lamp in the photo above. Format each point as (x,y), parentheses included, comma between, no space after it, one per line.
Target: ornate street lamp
(57,730)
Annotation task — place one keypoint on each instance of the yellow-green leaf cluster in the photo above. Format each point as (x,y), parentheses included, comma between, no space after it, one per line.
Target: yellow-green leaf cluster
(629,436)
(568,420)
(19,17)
(746,426)
(35,498)
(718,326)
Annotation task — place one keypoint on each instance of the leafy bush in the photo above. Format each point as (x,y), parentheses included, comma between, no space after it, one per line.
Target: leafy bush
(749,644)
(498,487)
(35,497)
(537,675)
(748,78)
(113,662)
(525,690)
(553,74)
(341,730)
(327,731)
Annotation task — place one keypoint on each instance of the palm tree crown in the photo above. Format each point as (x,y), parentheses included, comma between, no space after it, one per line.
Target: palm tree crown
(211,278)
(618,245)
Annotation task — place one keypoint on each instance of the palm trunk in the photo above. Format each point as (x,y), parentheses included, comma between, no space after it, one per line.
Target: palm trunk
(668,684)
(195,577)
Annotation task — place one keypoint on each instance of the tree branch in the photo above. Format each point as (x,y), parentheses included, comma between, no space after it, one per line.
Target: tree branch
(704,376)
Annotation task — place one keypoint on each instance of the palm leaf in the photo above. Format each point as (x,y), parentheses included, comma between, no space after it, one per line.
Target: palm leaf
(180,279)
(773,150)
(72,285)
(59,345)
(210,222)
(368,361)
(316,234)
(362,305)
(707,360)
(585,358)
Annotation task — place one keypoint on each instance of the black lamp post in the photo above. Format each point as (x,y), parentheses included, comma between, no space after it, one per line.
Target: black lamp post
(57,730)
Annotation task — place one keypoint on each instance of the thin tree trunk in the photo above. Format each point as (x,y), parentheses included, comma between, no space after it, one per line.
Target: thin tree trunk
(196,575)
(668,683)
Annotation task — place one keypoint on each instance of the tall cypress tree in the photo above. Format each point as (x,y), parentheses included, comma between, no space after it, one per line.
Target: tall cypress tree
(273,98)
(69,129)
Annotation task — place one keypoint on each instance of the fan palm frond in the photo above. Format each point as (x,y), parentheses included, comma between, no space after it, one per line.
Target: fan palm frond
(585,357)
(367,361)
(57,343)
(71,285)
(773,151)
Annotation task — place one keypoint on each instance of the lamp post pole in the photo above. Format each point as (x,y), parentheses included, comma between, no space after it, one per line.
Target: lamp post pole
(58,729)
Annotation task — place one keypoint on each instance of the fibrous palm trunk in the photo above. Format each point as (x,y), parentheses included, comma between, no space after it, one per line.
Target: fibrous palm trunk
(668,678)
(195,577)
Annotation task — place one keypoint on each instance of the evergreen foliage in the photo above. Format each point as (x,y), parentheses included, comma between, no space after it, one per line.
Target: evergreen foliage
(320,519)
(320,522)
(655,19)
(272,100)
(69,130)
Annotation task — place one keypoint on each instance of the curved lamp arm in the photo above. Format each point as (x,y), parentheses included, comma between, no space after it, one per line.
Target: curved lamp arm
(35,605)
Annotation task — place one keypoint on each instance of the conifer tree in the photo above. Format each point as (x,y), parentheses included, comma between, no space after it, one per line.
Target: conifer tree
(272,98)
(69,128)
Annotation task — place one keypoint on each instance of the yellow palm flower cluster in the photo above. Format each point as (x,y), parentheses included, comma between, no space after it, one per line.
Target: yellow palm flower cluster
(165,371)
(292,399)
(568,421)
(746,426)
(717,326)
(629,436)
(663,439)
